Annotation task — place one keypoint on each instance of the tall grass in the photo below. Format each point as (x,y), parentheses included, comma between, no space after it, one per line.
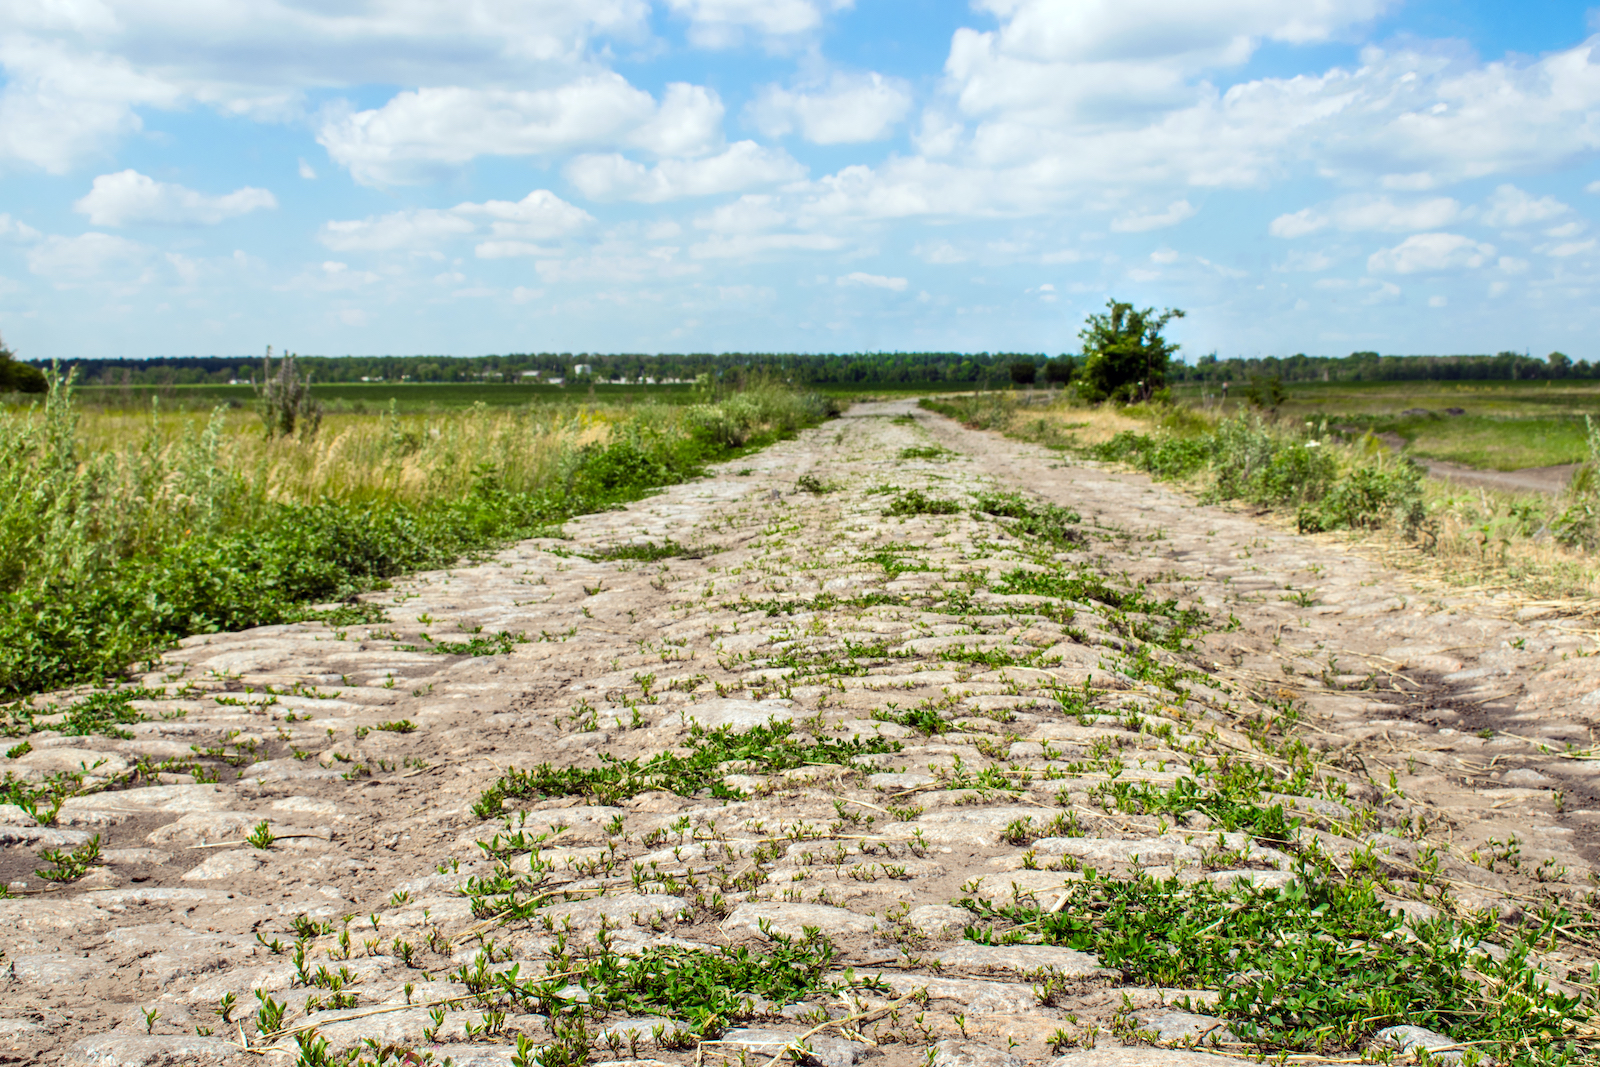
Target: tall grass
(1531,543)
(121,533)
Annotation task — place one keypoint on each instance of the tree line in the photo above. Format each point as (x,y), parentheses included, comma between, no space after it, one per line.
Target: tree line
(1123,356)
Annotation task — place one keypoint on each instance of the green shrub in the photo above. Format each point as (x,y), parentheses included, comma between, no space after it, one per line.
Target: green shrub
(1368,496)
(1578,525)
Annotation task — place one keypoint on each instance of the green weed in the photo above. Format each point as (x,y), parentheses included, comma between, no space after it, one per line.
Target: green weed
(764,749)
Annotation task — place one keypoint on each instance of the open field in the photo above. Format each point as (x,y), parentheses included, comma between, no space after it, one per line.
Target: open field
(371,398)
(1506,426)
(915,744)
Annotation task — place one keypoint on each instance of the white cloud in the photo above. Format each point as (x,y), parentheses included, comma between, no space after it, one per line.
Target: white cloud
(307,171)
(541,215)
(1592,187)
(1217,32)
(847,110)
(1309,262)
(129,198)
(538,216)
(750,245)
(398,229)
(91,257)
(1164,255)
(942,252)
(1384,215)
(14,230)
(742,165)
(688,123)
(612,265)
(751,213)
(62,105)
(723,23)
(1369,214)
(511,249)
(873,281)
(1426,252)
(1570,248)
(1418,182)
(1298,224)
(76,72)
(1438,301)
(420,131)
(1509,206)
(1136,223)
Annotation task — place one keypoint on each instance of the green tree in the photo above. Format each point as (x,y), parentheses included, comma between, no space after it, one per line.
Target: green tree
(1024,373)
(1125,356)
(18,377)
(1060,370)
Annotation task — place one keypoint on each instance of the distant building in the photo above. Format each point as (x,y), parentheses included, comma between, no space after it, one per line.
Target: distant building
(580,369)
(530,374)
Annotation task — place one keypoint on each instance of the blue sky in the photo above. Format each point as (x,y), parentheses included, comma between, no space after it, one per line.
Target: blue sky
(188,177)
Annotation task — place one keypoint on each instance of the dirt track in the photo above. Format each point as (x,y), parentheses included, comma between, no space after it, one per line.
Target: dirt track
(624,656)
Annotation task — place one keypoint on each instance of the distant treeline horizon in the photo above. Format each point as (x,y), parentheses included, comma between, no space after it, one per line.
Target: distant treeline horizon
(872,368)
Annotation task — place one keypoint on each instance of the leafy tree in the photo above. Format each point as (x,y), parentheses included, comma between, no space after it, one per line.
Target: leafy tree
(1023,373)
(1125,356)
(1060,370)
(17,377)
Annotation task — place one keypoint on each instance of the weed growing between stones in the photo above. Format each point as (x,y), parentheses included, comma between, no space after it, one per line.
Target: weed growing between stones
(70,865)
(763,749)
(916,502)
(649,551)
(1315,966)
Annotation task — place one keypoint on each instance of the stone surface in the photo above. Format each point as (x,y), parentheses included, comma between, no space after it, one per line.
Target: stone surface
(1023,959)
(1407,1039)
(131,1050)
(791,614)
(1183,1027)
(1146,1057)
(965,1053)
(792,919)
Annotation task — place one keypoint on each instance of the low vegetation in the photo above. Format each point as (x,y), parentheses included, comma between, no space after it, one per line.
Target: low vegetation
(1323,479)
(120,534)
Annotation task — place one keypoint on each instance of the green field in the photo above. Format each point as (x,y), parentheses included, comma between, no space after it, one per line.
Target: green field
(360,397)
(1505,426)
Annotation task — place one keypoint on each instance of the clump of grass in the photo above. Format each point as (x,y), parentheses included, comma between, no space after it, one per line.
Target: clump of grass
(916,502)
(648,551)
(810,483)
(764,749)
(925,452)
(1317,966)
(1047,522)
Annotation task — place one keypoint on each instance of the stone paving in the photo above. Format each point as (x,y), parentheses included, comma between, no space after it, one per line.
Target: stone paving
(1459,734)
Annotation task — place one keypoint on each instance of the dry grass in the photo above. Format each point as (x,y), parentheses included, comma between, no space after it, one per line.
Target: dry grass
(1477,540)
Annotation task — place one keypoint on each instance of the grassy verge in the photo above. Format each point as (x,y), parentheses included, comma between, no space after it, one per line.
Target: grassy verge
(1323,480)
(121,536)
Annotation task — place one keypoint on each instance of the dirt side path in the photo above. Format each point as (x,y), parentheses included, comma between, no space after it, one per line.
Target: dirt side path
(367,749)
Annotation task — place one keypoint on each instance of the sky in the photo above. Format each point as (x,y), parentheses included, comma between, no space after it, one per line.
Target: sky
(198,177)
